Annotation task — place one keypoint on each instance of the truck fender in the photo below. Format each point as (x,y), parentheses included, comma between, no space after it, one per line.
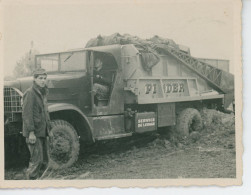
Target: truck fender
(65,106)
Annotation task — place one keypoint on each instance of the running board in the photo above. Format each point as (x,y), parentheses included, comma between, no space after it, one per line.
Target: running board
(114,136)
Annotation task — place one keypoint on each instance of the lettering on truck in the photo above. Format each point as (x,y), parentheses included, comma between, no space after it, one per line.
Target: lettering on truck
(146,122)
(174,87)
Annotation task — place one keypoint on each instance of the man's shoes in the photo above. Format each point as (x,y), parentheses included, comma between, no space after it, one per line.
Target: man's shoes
(27,177)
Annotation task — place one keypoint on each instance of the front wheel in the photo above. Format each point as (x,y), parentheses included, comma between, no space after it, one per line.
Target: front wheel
(189,120)
(64,149)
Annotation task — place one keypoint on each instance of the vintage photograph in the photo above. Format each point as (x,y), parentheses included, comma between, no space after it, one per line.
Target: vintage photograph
(113,91)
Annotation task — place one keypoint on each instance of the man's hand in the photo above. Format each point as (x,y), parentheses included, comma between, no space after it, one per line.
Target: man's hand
(98,76)
(32,138)
(50,136)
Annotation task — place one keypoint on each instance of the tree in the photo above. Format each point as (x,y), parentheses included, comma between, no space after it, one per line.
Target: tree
(26,64)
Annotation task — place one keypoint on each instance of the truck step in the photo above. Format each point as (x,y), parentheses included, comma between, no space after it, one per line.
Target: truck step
(113,136)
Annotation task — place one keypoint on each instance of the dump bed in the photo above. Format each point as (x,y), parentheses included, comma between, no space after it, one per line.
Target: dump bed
(150,90)
(170,80)
(155,69)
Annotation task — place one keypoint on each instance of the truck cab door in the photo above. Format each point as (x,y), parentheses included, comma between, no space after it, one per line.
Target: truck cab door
(106,84)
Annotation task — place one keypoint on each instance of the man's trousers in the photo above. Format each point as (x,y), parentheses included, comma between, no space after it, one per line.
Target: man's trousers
(38,157)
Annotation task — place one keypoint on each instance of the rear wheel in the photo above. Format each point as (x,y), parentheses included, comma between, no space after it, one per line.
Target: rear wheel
(189,120)
(64,150)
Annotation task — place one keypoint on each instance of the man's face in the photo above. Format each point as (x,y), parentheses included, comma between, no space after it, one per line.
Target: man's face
(41,80)
(98,64)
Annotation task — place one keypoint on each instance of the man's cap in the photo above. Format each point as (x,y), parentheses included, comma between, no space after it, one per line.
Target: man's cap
(39,71)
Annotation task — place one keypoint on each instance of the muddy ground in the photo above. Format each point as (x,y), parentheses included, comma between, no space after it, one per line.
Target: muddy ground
(209,153)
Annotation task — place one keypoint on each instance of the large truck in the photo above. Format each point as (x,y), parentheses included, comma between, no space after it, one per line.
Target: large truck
(151,88)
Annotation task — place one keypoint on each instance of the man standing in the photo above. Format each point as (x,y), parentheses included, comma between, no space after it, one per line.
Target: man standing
(36,123)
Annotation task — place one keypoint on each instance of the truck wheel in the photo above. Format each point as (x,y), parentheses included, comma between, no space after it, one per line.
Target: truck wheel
(189,120)
(64,149)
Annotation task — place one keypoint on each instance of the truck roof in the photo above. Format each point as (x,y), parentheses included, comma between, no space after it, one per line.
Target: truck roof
(107,49)
(114,50)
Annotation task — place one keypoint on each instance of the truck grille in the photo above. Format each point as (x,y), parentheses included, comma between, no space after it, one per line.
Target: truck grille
(12,102)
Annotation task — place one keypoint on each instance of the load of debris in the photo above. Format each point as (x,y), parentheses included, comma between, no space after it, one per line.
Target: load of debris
(148,47)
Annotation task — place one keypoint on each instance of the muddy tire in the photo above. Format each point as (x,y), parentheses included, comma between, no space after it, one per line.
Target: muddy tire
(189,120)
(64,149)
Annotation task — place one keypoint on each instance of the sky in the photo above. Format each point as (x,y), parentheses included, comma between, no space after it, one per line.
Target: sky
(204,26)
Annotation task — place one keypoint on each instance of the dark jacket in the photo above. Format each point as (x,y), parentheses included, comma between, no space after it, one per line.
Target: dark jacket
(106,77)
(35,112)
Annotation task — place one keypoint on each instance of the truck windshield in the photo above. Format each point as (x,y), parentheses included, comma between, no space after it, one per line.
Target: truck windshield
(67,61)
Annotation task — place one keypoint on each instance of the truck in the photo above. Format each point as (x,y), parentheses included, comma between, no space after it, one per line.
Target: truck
(153,85)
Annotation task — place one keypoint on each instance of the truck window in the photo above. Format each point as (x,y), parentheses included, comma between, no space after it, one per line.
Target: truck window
(67,61)
(48,62)
(73,61)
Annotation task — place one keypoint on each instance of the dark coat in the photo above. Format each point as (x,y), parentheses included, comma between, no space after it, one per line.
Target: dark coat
(106,77)
(35,112)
